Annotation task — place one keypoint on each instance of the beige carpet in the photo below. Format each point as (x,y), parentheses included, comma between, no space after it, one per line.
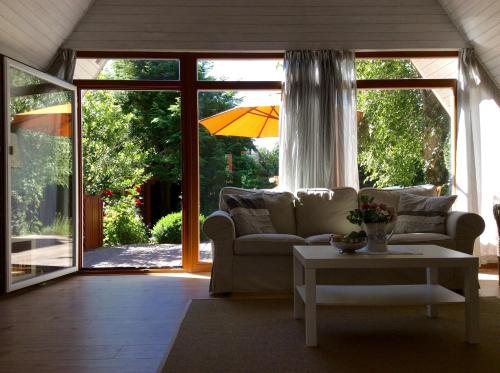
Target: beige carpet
(231,335)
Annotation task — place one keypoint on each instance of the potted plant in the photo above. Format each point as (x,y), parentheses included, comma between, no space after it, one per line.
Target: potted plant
(375,217)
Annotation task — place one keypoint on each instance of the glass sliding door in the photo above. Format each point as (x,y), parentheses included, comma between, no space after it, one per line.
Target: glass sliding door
(41,177)
(132,178)
(243,154)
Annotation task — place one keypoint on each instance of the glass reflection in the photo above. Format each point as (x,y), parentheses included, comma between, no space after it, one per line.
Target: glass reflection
(41,176)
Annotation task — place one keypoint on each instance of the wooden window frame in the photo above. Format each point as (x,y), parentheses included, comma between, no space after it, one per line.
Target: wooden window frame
(188,85)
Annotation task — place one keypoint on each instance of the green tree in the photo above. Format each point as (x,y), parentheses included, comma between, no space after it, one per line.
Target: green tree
(112,159)
(404,135)
(154,126)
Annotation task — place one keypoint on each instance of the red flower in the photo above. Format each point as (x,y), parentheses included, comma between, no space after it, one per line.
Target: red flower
(138,189)
(365,206)
(108,193)
(138,203)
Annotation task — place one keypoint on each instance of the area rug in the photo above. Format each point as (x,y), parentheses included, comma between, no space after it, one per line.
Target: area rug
(235,335)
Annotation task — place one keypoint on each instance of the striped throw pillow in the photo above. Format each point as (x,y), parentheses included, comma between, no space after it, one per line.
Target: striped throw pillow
(419,214)
(249,214)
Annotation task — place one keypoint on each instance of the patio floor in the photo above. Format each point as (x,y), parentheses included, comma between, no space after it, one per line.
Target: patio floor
(141,256)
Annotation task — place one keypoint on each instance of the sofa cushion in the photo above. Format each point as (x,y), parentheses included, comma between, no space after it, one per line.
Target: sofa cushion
(390,196)
(267,244)
(281,206)
(249,214)
(421,239)
(419,214)
(321,211)
(320,239)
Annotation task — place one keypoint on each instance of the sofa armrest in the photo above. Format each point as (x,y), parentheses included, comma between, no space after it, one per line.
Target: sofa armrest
(219,227)
(464,228)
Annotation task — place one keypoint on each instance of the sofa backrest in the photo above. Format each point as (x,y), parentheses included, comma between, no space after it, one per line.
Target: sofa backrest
(390,196)
(322,211)
(281,206)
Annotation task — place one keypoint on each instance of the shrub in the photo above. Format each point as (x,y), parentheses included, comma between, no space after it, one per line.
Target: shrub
(122,223)
(169,228)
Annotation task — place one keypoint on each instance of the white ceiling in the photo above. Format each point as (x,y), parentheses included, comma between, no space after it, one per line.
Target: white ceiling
(31,31)
(479,22)
(264,25)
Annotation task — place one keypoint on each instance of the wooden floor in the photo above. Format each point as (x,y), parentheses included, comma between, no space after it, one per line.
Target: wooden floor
(95,323)
(105,323)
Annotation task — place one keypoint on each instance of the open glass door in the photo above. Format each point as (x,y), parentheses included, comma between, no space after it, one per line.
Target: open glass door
(42,180)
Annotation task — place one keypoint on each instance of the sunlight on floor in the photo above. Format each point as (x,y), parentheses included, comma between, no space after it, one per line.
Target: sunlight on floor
(203,275)
(488,277)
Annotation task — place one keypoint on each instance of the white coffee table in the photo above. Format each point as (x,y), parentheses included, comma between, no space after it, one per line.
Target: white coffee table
(307,295)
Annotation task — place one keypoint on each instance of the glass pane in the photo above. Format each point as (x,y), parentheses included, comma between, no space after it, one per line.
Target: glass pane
(132,179)
(243,155)
(404,137)
(241,70)
(126,69)
(41,176)
(415,68)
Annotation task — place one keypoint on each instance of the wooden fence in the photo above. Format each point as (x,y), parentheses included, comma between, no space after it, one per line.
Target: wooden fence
(92,222)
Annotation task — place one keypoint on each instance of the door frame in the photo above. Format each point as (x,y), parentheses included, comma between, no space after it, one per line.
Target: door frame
(9,286)
(189,86)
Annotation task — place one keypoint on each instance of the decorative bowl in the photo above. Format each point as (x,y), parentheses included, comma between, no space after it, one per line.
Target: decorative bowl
(348,247)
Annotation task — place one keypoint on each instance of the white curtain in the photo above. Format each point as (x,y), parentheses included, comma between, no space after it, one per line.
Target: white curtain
(478,149)
(63,65)
(318,133)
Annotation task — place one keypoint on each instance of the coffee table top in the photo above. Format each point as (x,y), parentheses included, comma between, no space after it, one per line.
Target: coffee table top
(426,256)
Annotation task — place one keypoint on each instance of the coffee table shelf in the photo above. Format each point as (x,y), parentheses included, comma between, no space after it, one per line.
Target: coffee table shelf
(382,295)
(308,294)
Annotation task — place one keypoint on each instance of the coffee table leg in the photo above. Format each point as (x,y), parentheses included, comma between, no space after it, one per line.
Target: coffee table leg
(471,304)
(298,279)
(432,279)
(311,332)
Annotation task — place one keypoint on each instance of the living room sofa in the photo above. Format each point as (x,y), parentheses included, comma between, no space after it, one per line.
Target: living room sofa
(262,263)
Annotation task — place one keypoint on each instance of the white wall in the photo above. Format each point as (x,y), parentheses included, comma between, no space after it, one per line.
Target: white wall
(263,25)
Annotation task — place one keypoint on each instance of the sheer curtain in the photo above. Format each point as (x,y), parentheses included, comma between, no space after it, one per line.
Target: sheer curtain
(318,133)
(477,176)
(63,65)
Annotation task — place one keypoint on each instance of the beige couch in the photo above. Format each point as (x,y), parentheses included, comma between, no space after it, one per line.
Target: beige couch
(263,262)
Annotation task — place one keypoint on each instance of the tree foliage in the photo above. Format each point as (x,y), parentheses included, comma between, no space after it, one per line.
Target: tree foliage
(113,160)
(403,138)
(153,119)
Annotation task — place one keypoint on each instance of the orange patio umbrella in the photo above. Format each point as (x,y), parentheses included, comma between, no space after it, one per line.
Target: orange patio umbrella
(247,121)
(53,120)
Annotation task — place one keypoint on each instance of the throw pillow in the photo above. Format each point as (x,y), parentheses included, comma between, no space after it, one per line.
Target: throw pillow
(324,211)
(420,214)
(249,214)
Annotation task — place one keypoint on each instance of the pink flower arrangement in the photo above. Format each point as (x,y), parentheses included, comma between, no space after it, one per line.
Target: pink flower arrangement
(371,212)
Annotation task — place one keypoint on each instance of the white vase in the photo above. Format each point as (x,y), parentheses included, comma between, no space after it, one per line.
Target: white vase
(376,237)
